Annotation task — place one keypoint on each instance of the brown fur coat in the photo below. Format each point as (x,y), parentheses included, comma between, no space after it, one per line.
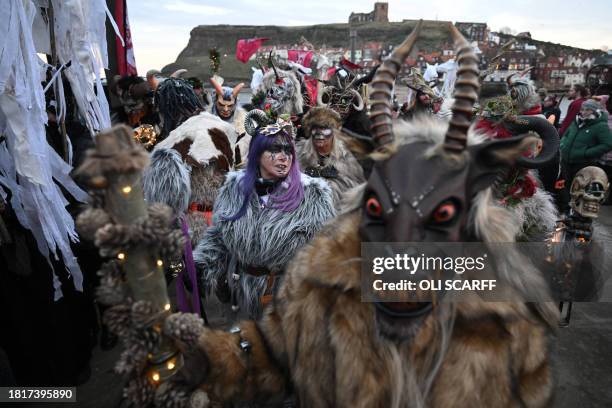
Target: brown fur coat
(321,342)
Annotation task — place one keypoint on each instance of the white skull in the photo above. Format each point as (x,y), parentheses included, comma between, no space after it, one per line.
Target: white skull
(589,189)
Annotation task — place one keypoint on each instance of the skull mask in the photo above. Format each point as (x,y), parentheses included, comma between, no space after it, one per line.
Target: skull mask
(279,95)
(588,191)
(341,101)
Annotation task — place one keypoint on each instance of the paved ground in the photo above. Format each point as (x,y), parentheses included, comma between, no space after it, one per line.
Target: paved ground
(582,355)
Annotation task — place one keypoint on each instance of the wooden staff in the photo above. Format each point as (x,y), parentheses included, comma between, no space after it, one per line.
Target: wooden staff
(116,166)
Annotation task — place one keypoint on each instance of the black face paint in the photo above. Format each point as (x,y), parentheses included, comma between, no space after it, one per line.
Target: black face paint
(281,147)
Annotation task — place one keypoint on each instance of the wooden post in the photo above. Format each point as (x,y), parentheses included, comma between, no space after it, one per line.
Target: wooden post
(115,168)
(116,165)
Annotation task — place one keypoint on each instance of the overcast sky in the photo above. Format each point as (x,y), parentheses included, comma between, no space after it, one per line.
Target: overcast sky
(160,29)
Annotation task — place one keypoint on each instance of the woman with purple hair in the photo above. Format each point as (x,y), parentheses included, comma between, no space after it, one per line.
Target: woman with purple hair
(262,216)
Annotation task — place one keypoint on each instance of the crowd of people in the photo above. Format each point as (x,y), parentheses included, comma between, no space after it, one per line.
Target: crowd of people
(276,195)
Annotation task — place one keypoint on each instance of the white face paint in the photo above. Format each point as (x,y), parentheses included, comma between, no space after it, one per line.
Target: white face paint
(275,163)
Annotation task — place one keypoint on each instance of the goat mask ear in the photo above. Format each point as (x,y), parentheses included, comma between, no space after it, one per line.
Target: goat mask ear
(491,158)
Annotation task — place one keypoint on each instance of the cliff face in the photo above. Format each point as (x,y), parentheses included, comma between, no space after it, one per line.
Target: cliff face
(224,37)
(434,35)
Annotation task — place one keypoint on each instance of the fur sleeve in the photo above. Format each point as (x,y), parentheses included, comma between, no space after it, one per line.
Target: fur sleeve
(211,258)
(318,205)
(167,180)
(234,374)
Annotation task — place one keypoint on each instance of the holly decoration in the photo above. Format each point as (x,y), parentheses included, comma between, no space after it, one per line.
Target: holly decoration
(517,186)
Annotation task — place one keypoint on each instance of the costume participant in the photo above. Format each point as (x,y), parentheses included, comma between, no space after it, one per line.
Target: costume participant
(577,258)
(321,341)
(188,167)
(176,102)
(262,216)
(532,206)
(342,93)
(325,155)
(423,98)
(136,98)
(279,93)
(524,94)
(226,107)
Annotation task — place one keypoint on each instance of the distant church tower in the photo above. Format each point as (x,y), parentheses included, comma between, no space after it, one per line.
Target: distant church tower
(380,14)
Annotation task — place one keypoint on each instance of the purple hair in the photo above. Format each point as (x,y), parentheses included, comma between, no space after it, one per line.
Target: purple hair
(287,201)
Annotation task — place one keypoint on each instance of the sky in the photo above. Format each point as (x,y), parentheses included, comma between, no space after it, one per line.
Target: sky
(160,29)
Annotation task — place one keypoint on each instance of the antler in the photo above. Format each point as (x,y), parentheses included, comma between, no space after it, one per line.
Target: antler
(382,85)
(465,94)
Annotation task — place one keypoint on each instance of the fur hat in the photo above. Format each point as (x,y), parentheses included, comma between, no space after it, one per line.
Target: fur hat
(320,116)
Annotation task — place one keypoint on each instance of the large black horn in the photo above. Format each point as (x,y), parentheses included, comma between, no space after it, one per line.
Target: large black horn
(271,62)
(546,131)
(382,86)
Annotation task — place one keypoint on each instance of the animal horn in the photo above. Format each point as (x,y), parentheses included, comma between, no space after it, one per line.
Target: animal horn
(259,117)
(509,77)
(324,90)
(525,71)
(178,73)
(217,87)
(271,62)
(465,93)
(382,85)
(357,96)
(236,90)
(547,132)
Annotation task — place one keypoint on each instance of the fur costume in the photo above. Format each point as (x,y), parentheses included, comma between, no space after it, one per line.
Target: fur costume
(263,238)
(188,167)
(521,190)
(349,171)
(282,97)
(524,94)
(320,341)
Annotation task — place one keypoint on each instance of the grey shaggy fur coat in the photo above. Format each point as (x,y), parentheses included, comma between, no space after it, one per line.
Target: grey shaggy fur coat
(350,172)
(261,237)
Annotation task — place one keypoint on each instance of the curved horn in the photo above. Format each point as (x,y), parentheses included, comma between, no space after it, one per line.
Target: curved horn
(546,131)
(357,95)
(525,71)
(509,77)
(465,93)
(217,87)
(258,116)
(324,90)
(382,86)
(178,73)
(236,90)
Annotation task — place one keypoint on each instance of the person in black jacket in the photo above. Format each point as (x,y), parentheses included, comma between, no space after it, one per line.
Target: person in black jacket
(551,110)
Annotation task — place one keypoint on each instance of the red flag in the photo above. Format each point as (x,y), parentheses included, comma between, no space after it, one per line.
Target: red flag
(247,47)
(301,57)
(126,64)
(348,64)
